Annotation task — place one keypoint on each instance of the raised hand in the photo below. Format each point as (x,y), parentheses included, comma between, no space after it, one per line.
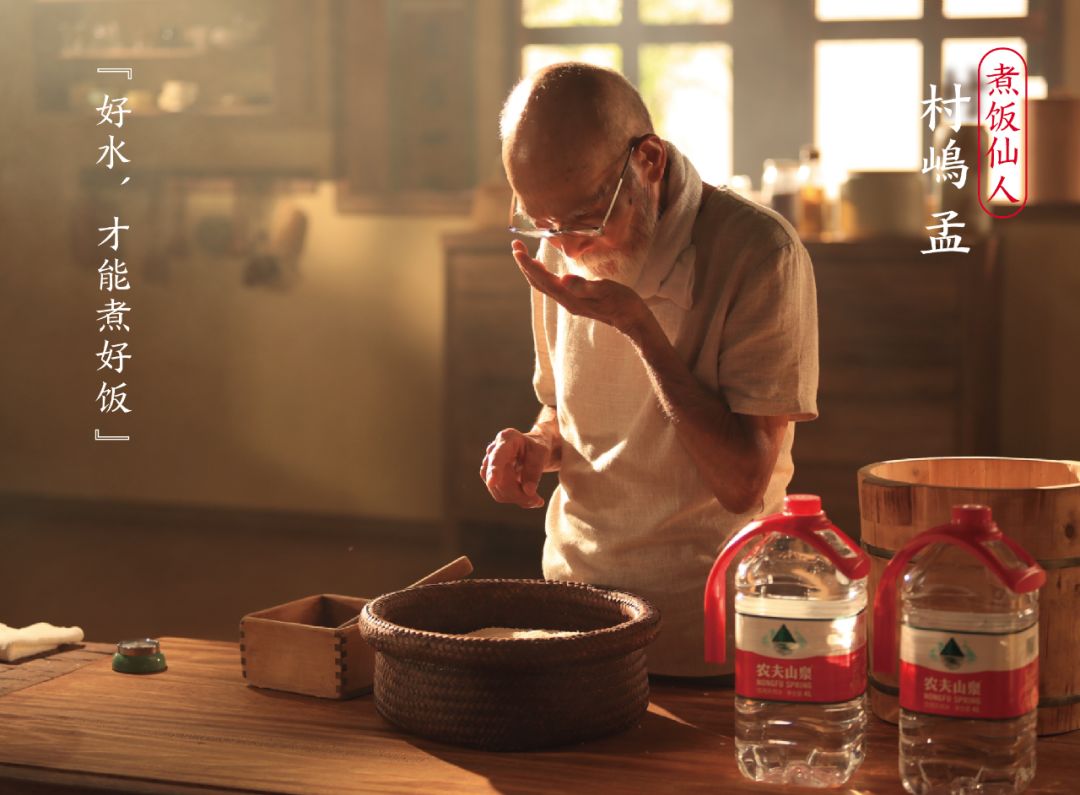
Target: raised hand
(600,299)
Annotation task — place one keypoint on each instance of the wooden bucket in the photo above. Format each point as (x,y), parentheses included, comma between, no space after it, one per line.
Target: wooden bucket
(1037,503)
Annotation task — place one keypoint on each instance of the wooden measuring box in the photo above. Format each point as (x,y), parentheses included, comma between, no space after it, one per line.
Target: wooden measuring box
(312,646)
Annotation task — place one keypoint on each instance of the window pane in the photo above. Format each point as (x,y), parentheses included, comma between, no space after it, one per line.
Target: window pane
(867,105)
(959,60)
(985,8)
(676,12)
(536,56)
(831,10)
(561,13)
(687,88)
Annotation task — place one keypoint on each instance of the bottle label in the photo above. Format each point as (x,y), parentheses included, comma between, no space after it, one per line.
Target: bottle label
(969,674)
(800,659)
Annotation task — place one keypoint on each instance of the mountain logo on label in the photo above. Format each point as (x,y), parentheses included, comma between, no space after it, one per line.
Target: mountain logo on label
(951,655)
(783,641)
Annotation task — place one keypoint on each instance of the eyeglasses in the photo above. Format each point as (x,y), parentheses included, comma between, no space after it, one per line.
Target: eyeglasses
(521,224)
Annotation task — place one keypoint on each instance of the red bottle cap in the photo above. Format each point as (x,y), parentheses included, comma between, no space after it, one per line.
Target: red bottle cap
(972,529)
(802,504)
(803,519)
(975,517)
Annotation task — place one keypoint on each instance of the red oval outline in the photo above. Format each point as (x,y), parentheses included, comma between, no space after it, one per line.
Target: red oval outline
(978,174)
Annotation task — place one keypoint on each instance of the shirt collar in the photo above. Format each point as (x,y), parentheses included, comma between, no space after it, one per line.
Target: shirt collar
(669,269)
(678,285)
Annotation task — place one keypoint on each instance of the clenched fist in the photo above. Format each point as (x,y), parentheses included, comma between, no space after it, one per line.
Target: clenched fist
(513,465)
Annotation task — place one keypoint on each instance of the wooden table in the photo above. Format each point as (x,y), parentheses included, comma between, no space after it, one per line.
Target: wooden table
(198,728)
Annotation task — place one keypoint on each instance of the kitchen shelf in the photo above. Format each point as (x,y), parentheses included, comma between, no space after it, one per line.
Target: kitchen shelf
(261,68)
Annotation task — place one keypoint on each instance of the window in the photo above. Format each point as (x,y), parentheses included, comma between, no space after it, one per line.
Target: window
(946,53)
(835,10)
(960,61)
(848,75)
(880,80)
(687,88)
(537,56)
(969,9)
(674,51)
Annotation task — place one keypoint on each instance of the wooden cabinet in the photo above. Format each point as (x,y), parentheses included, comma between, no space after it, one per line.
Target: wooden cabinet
(421,86)
(908,362)
(407,120)
(908,352)
(1040,332)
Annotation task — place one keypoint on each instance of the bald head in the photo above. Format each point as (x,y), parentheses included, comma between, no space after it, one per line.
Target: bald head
(568,119)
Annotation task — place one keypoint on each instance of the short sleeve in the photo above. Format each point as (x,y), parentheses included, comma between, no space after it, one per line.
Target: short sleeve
(768,360)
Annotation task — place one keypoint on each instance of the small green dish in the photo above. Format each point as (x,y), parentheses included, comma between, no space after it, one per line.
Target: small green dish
(142,656)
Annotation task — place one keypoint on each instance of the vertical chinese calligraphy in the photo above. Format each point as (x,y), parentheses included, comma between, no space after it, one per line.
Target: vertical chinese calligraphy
(1003,77)
(112,317)
(948,166)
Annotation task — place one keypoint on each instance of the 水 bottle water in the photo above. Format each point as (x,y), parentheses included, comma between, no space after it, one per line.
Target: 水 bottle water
(969,644)
(800,647)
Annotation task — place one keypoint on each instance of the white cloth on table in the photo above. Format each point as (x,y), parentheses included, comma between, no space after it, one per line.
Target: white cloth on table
(16,643)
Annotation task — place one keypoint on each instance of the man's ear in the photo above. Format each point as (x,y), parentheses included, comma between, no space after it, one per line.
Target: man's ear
(653,155)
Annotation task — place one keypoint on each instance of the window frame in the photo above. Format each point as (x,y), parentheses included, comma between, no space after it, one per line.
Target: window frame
(772,46)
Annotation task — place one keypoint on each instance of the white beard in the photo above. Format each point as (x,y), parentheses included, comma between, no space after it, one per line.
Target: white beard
(624,267)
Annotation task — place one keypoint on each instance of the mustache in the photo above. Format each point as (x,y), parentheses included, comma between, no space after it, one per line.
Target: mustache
(623,265)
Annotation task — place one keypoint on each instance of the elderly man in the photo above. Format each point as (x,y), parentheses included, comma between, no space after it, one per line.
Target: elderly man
(675,328)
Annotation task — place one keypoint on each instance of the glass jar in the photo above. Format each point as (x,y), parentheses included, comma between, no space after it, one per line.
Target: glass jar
(780,188)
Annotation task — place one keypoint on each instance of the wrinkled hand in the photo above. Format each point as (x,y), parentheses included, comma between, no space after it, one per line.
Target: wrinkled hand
(600,299)
(513,465)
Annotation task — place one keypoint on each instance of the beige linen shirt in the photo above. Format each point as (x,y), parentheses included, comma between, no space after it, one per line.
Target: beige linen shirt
(736,298)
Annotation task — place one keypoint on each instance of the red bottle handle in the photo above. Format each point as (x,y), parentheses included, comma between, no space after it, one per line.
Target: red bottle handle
(972,528)
(802,519)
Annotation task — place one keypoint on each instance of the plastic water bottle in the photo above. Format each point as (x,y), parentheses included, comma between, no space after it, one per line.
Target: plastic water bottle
(969,645)
(800,646)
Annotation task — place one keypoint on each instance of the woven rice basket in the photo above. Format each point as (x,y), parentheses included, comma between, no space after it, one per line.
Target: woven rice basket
(510,694)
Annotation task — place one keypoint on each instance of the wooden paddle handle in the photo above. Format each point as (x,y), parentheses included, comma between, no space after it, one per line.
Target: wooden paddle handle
(455,570)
